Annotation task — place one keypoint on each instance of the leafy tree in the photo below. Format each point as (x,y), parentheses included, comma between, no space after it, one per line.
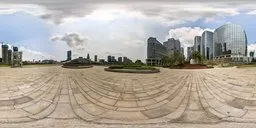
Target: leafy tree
(197,56)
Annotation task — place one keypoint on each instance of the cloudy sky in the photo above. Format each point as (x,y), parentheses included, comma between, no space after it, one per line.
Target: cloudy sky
(46,29)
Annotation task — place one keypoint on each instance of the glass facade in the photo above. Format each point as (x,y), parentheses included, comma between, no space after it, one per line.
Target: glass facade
(207,45)
(197,43)
(156,49)
(230,39)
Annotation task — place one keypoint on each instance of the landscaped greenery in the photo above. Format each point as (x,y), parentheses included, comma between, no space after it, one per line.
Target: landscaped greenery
(247,65)
(135,67)
(173,60)
(4,65)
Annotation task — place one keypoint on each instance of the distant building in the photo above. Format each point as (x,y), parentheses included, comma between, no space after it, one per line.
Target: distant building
(109,59)
(113,60)
(88,56)
(5,54)
(182,50)
(207,45)
(189,52)
(69,55)
(155,51)
(95,58)
(197,43)
(172,46)
(10,57)
(120,60)
(102,61)
(15,49)
(17,59)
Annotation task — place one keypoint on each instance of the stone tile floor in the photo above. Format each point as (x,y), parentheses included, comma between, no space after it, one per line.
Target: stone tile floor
(58,97)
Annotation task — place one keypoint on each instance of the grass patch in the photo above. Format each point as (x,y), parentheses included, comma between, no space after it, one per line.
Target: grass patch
(4,65)
(135,67)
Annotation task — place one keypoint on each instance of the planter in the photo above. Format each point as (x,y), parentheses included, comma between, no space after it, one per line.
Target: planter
(77,67)
(132,71)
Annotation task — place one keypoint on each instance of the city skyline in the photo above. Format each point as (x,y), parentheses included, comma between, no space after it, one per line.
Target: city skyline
(51,28)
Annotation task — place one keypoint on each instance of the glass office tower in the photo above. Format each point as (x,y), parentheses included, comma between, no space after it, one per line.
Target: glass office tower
(207,43)
(230,39)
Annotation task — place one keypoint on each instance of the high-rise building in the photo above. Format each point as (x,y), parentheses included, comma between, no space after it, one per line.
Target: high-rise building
(172,46)
(88,56)
(230,41)
(9,57)
(182,50)
(5,54)
(197,43)
(95,58)
(113,60)
(155,51)
(15,49)
(109,59)
(207,45)
(120,60)
(17,59)
(69,55)
(190,50)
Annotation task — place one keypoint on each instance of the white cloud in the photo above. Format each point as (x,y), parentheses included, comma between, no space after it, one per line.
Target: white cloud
(135,43)
(73,40)
(252,12)
(29,54)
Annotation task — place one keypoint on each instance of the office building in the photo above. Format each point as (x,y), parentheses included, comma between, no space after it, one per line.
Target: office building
(15,49)
(155,51)
(230,42)
(69,55)
(5,54)
(95,58)
(109,59)
(88,56)
(172,46)
(207,45)
(182,50)
(10,57)
(197,43)
(120,60)
(190,50)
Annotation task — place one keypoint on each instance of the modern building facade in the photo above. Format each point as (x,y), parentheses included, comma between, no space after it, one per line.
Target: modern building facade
(207,45)
(190,50)
(155,51)
(120,59)
(10,57)
(5,54)
(95,58)
(69,55)
(172,46)
(197,43)
(230,41)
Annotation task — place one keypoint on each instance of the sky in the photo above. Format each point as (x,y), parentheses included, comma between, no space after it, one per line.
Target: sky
(47,29)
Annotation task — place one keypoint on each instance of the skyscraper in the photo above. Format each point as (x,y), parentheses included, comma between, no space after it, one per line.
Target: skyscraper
(5,54)
(120,59)
(88,56)
(197,43)
(207,45)
(69,55)
(189,53)
(155,51)
(9,57)
(95,58)
(172,46)
(109,59)
(230,41)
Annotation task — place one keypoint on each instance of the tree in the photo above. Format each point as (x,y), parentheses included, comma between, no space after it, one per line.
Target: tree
(197,56)
(138,62)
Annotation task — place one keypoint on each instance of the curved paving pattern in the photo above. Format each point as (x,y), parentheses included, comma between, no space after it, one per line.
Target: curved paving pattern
(93,95)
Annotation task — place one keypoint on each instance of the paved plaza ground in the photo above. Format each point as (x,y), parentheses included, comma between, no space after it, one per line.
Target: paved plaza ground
(58,97)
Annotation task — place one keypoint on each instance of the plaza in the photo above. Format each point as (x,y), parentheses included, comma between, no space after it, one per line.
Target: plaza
(58,97)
